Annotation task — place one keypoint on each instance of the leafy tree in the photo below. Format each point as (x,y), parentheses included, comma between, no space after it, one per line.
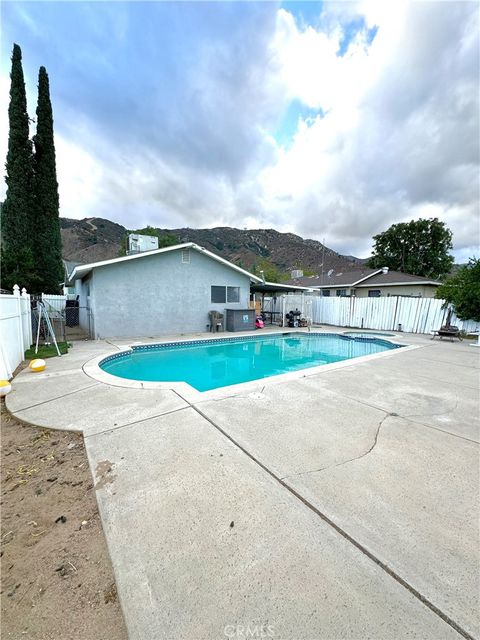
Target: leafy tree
(419,247)
(271,272)
(18,209)
(48,243)
(463,291)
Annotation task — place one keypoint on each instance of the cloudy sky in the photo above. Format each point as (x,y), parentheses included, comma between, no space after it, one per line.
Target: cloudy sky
(331,120)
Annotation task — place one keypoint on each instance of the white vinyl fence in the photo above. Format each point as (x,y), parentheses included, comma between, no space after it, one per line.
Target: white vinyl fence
(395,313)
(15,330)
(54,302)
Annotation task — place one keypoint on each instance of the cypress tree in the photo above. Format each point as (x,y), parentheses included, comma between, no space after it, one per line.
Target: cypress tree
(49,245)
(18,208)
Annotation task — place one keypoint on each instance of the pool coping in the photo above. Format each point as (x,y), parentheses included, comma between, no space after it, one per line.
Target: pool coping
(92,369)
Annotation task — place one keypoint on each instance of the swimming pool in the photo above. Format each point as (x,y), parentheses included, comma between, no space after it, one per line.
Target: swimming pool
(210,364)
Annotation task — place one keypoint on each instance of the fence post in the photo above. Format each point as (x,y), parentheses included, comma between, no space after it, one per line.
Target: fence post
(27,314)
(21,342)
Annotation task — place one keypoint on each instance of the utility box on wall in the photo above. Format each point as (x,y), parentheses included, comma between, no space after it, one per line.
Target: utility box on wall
(240,319)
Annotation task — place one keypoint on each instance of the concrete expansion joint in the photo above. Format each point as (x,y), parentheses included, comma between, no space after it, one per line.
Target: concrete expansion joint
(409,418)
(131,424)
(358,545)
(430,426)
(65,395)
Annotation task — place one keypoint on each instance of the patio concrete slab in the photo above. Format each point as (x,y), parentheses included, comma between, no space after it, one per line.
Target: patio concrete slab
(101,408)
(443,405)
(294,427)
(389,500)
(30,390)
(206,544)
(404,488)
(77,355)
(423,366)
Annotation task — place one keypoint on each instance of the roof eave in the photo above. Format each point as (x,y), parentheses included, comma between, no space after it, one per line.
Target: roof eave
(401,284)
(370,275)
(286,286)
(87,268)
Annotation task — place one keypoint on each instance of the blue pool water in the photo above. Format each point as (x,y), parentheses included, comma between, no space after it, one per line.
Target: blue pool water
(209,364)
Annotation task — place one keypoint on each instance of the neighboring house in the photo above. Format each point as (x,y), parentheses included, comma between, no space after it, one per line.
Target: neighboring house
(370,283)
(169,290)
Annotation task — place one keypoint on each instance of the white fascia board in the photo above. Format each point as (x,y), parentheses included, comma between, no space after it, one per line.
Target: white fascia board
(402,284)
(82,270)
(286,286)
(370,275)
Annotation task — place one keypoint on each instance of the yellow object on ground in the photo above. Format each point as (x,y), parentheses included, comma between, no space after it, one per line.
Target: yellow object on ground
(37,365)
(5,387)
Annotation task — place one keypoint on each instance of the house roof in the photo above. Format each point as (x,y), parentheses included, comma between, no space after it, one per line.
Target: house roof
(393,278)
(70,266)
(362,278)
(271,287)
(81,271)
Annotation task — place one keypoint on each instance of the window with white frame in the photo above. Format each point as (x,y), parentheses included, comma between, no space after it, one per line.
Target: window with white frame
(374,293)
(341,292)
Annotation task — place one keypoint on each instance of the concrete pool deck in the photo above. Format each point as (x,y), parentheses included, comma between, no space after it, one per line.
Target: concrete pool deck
(344,504)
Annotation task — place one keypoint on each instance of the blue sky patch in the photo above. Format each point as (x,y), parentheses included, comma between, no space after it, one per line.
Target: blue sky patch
(305,13)
(351,30)
(288,126)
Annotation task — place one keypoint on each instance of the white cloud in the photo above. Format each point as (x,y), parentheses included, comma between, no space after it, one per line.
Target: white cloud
(398,141)
(400,135)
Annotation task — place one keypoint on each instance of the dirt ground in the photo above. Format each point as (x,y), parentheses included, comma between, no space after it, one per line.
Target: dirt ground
(57,580)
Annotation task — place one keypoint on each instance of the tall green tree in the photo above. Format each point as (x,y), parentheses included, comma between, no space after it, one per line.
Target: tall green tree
(419,247)
(17,264)
(463,291)
(48,243)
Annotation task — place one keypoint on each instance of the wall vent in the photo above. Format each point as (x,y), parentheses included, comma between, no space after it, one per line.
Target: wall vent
(186,256)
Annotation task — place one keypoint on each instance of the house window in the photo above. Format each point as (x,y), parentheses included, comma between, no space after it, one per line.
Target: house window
(374,293)
(341,292)
(186,256)
(225,294)
(218,294)
(233,294)
(325,292)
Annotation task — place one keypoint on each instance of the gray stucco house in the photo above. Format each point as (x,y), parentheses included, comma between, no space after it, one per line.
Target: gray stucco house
(169,290)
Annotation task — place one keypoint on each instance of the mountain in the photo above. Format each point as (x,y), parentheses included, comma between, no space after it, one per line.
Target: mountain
(94,239)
